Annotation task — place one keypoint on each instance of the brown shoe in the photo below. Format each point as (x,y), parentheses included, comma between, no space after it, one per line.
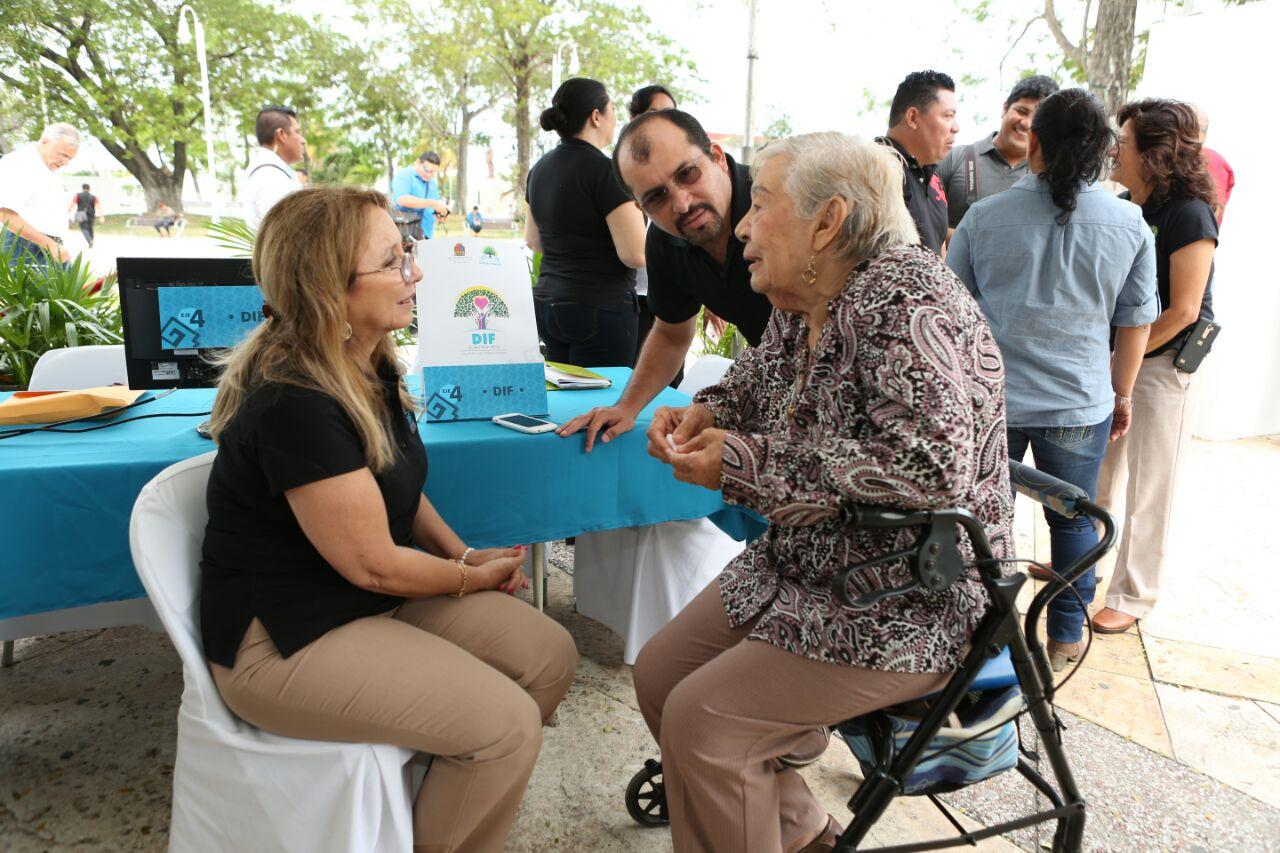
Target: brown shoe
(1109,621)
(1040,574)
(1061,654)
(826,839)
(815,744)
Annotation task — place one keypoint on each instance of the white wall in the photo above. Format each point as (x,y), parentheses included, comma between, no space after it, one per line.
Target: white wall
(1222,61)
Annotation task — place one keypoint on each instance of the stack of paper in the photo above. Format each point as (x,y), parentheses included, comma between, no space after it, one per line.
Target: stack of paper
(569,377)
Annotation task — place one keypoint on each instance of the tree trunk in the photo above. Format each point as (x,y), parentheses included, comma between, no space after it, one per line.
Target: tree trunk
(464,141)
(158,184)
(1111,56)
(524,133)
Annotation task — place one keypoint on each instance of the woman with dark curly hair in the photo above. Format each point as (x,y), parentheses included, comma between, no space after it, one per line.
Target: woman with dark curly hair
(1160,159)
(1054,262)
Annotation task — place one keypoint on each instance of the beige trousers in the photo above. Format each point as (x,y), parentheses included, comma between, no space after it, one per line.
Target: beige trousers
(1140,475)
(722,709)
(470,681)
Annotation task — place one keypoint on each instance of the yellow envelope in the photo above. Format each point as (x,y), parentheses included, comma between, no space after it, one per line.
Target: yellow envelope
(46,407)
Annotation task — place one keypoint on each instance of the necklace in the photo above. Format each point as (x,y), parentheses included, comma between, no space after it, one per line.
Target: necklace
(802,381)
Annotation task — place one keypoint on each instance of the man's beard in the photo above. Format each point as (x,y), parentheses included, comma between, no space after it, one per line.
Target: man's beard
(709,232)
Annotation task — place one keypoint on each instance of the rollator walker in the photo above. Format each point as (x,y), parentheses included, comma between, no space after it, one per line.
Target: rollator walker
(965,733)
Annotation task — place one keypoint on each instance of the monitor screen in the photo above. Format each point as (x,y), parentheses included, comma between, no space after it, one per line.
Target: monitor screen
(179,311)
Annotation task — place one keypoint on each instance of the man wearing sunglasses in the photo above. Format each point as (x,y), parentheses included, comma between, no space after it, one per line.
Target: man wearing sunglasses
(694,194)
(415,197)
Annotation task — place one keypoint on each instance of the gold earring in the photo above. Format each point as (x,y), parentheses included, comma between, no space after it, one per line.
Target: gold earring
(810,274)
(346,333)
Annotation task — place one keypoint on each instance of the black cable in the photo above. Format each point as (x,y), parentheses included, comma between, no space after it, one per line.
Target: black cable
(53,427)
(1083,607)
(136,418)
(1053,687)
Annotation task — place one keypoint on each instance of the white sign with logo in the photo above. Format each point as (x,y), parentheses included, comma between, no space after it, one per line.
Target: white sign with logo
(477,337)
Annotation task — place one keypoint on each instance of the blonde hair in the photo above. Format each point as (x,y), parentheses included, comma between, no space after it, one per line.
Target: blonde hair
(304,260)
(868,176)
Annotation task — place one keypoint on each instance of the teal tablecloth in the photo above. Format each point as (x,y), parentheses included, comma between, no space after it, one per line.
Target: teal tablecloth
(66,499)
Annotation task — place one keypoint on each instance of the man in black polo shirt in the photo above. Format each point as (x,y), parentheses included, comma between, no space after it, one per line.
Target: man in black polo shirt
(922,129)
(695,195)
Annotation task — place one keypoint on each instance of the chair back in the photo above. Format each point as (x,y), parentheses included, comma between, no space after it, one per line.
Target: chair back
(705,372)
(166,532)
(77,368)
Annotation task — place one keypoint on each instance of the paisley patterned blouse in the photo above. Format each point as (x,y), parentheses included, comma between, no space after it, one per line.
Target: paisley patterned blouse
(902,406)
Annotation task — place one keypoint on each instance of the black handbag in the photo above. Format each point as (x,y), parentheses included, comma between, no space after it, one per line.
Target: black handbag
(1196,345)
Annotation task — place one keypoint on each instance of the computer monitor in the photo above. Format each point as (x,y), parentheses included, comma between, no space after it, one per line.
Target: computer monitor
(178,312)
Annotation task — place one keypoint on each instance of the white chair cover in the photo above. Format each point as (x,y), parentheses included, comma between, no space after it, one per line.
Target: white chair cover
(72,369)
(236,787)
(634,580)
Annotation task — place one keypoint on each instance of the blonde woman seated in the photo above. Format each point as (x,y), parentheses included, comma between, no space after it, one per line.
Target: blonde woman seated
(877,382)
(336,604)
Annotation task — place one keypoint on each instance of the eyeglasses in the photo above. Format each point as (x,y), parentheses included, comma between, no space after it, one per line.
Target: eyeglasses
(405,264)
(686,176)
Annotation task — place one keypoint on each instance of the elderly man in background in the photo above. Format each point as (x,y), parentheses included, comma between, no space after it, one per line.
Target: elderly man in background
(33,211)
(270,176)
(877,381)
(922,129)
(996,161)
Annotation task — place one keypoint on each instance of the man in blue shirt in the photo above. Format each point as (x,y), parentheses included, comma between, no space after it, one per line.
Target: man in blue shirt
(415,197)
(474,220)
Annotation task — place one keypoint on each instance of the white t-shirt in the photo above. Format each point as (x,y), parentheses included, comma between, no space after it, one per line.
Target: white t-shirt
(33,190)
(267,180)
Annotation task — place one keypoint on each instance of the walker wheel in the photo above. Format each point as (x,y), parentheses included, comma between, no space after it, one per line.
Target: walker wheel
(646,796)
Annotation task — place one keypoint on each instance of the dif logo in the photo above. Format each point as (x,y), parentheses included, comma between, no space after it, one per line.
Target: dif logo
(483,338)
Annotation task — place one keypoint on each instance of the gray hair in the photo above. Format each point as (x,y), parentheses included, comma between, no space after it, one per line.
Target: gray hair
(61,131)
(868,176)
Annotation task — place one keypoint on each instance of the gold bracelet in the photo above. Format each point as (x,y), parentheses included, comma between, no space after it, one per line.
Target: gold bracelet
(462,587)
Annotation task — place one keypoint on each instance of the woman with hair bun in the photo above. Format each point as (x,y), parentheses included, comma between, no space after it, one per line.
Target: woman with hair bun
(1160,159)
(590,233)
(1055,262)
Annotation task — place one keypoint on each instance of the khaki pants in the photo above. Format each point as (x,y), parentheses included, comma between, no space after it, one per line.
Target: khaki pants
(1140,472)
(722,709)
(470,681)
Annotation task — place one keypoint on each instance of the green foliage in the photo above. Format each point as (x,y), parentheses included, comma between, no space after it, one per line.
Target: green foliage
(44,307)
(234,235)
(118,69)
(728,344)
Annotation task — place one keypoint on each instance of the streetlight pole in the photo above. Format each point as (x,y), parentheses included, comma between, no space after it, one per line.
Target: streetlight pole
(203,57)
(555,64)
(749,135)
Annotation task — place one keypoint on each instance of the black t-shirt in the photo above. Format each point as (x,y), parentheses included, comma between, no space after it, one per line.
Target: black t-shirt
(257,561)
(86,202)
(1176,224)
(683,277)
(570,191)
(925,196)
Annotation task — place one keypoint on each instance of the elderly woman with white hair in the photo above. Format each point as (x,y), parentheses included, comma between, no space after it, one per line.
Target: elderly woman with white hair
(877,382)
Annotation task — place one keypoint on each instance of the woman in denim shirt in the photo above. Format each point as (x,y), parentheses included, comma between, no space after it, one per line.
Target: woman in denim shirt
(1054,263)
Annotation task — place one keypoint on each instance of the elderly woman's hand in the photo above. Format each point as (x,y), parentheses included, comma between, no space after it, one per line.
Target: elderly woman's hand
(682,424)
(699,460)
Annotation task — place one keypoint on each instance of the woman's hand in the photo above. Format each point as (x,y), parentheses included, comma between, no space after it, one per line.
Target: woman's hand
(682,424)
(1121,417)
(503,571)
(700,460)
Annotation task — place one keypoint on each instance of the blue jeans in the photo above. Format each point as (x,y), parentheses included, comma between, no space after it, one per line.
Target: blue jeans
(1074,455)
(20,247)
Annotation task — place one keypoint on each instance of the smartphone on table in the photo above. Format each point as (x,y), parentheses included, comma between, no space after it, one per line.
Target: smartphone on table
(523,423)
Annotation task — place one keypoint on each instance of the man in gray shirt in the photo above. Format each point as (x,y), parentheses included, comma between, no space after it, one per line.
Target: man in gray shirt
(995,162)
